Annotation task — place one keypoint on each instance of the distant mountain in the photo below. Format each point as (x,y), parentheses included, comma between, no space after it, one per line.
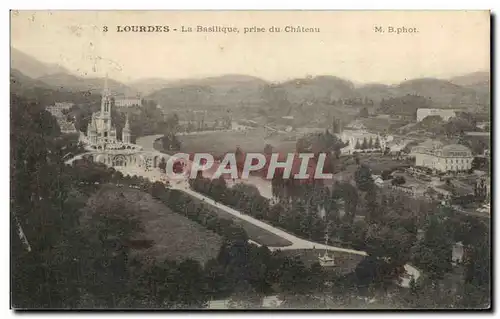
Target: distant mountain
(376,91)
(323,89)
(225,91)
(150,85)
(477,81)
(20,82)
(287,97)
(93,85)
(38,91)
(444,93)
(31,67)
(472,79)
(469,91)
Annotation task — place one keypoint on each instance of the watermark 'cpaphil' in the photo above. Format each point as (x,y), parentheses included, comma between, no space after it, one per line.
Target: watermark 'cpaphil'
(299,166)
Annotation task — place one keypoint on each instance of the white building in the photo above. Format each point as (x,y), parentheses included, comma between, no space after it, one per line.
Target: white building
(67,127)
(128,102)
(442,158)
(457,253)
(483,125)
(377,179)
(445,114)
(56,110)
(59,107)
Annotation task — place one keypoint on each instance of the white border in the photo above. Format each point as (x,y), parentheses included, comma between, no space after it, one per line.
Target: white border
(191,5)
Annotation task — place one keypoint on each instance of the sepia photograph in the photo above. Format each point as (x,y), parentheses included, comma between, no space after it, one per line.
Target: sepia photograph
(250,160)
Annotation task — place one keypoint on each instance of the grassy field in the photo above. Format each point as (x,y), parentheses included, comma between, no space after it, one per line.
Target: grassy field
(175,236)
(249,141)
(344,262)
(254,233)
(378,163)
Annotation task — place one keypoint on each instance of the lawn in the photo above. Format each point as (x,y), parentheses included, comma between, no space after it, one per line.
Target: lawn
(379,163)
(344,262)
(175,237)
(220,143)
(255,233)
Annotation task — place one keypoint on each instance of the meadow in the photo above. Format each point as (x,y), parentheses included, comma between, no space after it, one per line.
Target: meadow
(175,236)
(253,140)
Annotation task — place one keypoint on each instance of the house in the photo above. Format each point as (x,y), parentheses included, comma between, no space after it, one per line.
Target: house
(445,114)
(377,179)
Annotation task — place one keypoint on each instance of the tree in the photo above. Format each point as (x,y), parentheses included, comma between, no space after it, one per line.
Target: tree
(398,180)
(377,143)
(370,143)
(358,146)
(480,163)
(363,112)
(386,174)
(413,286)
(478,274)
(162,165)
(268,149)
(172,124)
(363,178)
(480,190)
(433,253)
(350,196)
(170,142)
(372,206)
(364,146)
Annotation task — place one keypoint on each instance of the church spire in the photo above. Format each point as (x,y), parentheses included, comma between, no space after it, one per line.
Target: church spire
(126,132)
(106,98)
(127,125)
(92,123)
(105,91)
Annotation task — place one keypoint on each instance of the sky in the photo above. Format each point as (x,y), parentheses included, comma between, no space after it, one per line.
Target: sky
(446,44)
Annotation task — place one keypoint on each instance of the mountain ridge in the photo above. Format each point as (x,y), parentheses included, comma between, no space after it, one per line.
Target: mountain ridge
(31,66)
(93,85)
(230,90)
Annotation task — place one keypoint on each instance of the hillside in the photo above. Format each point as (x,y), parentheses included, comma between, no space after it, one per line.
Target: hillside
(442,93)
(376,91)
(32,67)
(226,91)
(322,89)
(174,236)
(20,82)
(472,79)
(477,81)
(150,85)
(93,85)
(36,90)
(293,97)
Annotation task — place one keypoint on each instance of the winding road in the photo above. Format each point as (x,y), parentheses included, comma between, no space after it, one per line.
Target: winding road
(147,142)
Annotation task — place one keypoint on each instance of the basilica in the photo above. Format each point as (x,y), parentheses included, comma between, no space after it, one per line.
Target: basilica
(103,145)
(101,134)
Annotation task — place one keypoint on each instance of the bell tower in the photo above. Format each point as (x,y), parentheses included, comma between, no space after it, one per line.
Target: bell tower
(105,116)
(126,132)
